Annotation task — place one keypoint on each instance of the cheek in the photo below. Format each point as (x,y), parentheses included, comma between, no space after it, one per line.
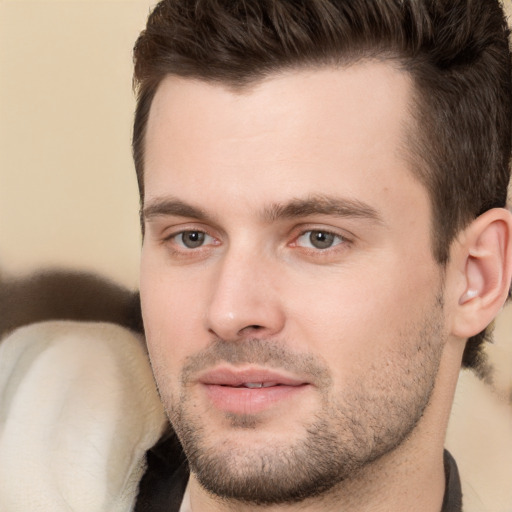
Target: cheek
(171,313)
(356,317)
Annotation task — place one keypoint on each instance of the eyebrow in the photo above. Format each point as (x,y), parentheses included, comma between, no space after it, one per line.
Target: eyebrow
(172,207)
(296,208)
(322,205)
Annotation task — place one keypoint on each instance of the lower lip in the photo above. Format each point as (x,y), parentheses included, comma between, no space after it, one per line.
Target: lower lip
(250,400)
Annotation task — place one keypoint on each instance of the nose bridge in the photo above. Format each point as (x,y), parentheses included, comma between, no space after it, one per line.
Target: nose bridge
(244,298)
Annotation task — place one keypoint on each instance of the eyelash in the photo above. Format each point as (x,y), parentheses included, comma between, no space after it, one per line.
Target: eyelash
(341,244)
(171,239)
(179,249)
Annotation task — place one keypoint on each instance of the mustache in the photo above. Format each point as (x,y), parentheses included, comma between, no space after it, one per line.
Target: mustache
(257,351)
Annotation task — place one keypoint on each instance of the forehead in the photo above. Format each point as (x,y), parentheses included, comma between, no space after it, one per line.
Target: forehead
(299,131)
(361,94)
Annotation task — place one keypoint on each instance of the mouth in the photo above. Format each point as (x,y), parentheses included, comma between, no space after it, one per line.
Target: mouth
(250,390)
(255,385)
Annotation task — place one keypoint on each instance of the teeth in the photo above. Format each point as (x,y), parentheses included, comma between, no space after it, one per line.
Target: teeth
(252,385)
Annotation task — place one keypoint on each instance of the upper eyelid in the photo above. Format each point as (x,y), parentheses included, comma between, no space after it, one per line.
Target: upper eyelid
(177,235)
(342,233)
(296,232)
(176,230)
(178,248)
(343,239)
(325,231)
(166,223)
(322,230)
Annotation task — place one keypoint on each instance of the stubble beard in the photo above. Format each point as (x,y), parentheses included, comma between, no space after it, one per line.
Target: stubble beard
(347,434)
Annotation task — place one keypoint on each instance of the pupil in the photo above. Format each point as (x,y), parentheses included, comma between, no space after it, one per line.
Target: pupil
(193,239)
(321,240)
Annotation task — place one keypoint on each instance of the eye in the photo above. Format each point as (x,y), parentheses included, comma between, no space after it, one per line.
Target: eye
(317,239)
(192,239)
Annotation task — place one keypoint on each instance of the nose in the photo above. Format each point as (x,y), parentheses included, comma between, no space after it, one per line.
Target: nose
(245,300)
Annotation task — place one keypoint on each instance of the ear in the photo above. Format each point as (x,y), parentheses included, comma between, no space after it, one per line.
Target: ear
(482,258)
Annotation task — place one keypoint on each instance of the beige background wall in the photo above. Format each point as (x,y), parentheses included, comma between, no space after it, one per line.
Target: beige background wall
(68,193)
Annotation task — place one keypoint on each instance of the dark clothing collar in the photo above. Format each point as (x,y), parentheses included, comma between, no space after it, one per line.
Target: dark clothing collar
(452,501)
(163,485)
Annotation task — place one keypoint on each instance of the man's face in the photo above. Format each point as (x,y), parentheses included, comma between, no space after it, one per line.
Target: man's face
(292,306)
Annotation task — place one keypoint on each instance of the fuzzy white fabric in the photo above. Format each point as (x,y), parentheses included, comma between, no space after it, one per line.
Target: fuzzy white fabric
(78,410)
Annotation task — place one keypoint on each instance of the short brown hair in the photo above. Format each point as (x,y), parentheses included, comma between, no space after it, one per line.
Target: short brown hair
(457,52)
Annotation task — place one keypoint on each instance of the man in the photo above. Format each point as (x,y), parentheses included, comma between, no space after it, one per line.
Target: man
(323,187)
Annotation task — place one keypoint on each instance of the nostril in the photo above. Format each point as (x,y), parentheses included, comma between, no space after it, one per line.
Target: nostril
(249,328)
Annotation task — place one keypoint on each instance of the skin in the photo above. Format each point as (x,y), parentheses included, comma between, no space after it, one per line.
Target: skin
(366,325)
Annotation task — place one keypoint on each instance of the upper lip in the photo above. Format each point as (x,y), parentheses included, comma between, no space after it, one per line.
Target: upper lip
(224,376)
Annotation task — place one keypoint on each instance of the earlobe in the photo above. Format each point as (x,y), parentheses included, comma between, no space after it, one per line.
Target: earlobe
(485,258)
